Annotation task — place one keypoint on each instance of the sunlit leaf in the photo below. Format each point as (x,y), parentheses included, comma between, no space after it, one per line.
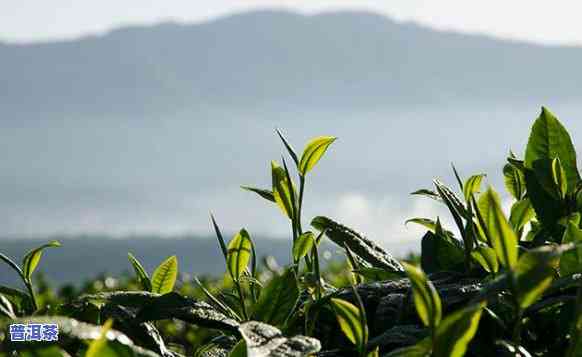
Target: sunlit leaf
(349,320)
(472,185)
(239,254)
(165,275)
(535,272)
(98,346)
(571,261)
(559,177)
(502,236)
(313,152)
(487,258)
(32,258)
(514,181)
(283,190)
(454,333)
(426,299)
(521,213)
(140,272)
(303,245)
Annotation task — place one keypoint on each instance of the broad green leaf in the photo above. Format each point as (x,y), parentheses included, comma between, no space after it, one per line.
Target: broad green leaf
(441,252)
(303,245)
(548,140)
(559,177)
(426,299)
(239,254)
(349,320)
(521,213)
(164,277)
(313,151)
(571,261)
(548,207)
(266,194)
(535,272)
(277,300)
(283,190)
(422,348)
(486,257)
(32,258)
(98,346)
(514,181)
(142,275)
(472,185)
(20,300)
(454,333)
(263,340)
(502,236)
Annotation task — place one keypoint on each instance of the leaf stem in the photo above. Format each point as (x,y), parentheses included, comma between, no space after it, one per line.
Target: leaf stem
(241,299)
(31,293)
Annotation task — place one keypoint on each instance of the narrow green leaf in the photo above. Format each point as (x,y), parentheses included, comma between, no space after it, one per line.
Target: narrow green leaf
(277,300)
(303,245)
(486,257)
(425,222)
(12,264)
(239,254)
(456,331)
(98,346)
(225,309)
(142,275)
(282,190)
(427,193)
(548,140)
(266,194)
(521,213)
(422,348)
(535,272)
(426,299)
(559,177)
(472,185)
(349,320)
(6,307)
(165,275)
(571,261)
(32,258)
(313,152)
(219,236)
(288,147)
(502,236)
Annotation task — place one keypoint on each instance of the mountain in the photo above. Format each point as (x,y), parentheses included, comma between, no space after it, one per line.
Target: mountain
(145,129)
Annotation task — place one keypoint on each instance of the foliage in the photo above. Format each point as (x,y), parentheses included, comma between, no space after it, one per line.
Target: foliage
(496,283)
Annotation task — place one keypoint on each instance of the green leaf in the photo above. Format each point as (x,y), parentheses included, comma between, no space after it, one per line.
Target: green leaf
(349,320)
(548,140)
(472,185)
(239,350)
(426,299)
(165,276)
(303,245)
(239,254)
(313,152)
(427,193)
(219,236)
(288,147)
(559,177)
(441,252)
(283,190)
(32,258)
(514,181)
(571,261)
(456,331)
(20,300)
(277,300)
(521,213)
(422,348)
(501,235)
(142,275)
(535,272)
(575,347)
(486,257)
(99,346)
(266,194)
(6,307)
(427,223)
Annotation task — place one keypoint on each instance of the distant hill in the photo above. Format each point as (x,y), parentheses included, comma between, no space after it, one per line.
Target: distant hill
(275,60)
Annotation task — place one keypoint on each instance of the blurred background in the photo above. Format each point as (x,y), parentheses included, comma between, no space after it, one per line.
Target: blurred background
(123,124)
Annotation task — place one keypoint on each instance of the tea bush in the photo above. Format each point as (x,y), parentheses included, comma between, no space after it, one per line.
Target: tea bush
(507,285)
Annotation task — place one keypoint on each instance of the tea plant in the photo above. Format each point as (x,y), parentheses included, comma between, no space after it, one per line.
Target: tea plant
(496,284)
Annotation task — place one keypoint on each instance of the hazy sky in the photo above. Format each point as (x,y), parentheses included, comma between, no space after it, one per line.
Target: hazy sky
(541,21)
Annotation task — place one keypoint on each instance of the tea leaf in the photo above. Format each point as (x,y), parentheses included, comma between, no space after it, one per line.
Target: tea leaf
(502,236)
(6,307)
(140,272)
(98,347)
(283,190)
(277,300)
(472,185)
(219,236)
(514,181)
(263,340)
(313,152)
(559,177)
(422,348)
(426,299)
(486,257)
(456,331)
(441,252)
(548,140)
(266,194)
(534,273)
(427,193)
(32,258)
(303,245)
(165,275)
(239,254)
(571,261)
(521,213)
(288,147)
(349,320)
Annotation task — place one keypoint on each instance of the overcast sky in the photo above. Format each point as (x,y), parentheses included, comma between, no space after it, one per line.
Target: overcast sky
(551,22)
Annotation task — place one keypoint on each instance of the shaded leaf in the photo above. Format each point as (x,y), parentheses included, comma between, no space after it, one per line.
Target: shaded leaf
(441,252)
(266,194)
(534,273)
(571,261)
(349,320)
(288,147)
(165,275)
(6,307)
(423,348)
(277,300)
(140,273)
